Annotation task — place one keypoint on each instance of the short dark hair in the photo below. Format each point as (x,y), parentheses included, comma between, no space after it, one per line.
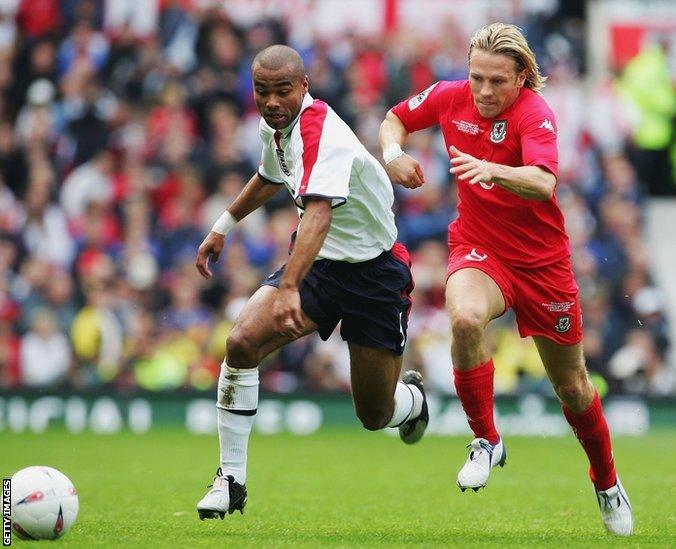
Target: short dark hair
(279,56)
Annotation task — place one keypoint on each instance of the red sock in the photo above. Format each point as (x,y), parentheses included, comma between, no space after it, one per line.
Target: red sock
(591,430)
(475,390)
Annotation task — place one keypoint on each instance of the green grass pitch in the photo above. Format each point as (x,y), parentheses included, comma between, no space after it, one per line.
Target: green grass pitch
(348,488)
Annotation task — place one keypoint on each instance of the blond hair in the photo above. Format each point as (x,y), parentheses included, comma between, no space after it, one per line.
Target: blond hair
(503,39)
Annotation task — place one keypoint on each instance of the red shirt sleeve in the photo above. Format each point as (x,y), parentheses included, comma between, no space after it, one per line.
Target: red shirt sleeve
(422,110)
(538,138)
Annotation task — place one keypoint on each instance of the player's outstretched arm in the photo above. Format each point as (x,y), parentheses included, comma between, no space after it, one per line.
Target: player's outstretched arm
(254,194)
(312,232)
(400,167)
(530,182)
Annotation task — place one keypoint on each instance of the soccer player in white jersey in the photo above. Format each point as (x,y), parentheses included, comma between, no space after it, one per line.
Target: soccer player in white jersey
(345,266)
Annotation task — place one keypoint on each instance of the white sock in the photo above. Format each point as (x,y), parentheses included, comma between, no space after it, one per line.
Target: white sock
(237,403)
(408,401)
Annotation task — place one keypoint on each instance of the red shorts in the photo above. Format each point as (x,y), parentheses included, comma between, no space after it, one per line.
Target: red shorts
(545,299)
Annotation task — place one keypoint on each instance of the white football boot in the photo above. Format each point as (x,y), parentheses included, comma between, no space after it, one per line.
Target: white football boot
(616,510)
(226,496)
(483,456)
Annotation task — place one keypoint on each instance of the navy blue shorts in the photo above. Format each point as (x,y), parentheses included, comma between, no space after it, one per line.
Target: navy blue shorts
(371,298)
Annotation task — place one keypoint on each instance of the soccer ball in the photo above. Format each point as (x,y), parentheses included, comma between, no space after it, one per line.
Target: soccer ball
(44,503)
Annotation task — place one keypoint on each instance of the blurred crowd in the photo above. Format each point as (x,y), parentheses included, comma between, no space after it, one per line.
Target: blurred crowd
(126,128)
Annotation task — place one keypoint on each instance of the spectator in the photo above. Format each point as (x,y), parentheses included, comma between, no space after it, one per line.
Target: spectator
(13,166)
(35,62)
(647,83)
(38,121)
(84,49)
(45,232)
(10,344)
(45,352)
(96,336)
(37,18)
(90,182)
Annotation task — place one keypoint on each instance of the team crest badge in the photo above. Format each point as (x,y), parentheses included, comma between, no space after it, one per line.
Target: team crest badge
(499,131)
(562,324)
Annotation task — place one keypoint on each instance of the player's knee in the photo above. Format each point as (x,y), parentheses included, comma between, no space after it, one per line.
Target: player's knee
(240,351)
(467,327)
(574,394)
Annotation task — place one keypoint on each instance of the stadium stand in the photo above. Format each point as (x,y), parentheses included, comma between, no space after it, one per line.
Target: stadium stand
(126,127)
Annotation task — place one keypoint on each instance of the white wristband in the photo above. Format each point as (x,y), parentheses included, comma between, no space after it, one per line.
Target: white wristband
(224,223)
(391,152)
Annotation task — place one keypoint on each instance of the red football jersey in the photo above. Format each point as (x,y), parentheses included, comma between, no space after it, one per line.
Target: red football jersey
(524,233)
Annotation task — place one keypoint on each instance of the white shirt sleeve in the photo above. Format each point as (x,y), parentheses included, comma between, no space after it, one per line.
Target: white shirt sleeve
(326,160)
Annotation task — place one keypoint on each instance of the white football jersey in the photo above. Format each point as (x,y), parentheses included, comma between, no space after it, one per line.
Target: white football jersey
(319,155)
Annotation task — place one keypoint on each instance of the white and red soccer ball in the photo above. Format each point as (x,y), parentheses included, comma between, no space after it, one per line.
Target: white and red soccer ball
(44,503)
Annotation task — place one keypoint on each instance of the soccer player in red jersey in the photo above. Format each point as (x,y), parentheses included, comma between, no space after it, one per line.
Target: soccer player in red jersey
(508,246)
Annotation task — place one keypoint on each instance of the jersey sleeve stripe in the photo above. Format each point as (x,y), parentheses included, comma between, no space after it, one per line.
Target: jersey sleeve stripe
(311,125)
